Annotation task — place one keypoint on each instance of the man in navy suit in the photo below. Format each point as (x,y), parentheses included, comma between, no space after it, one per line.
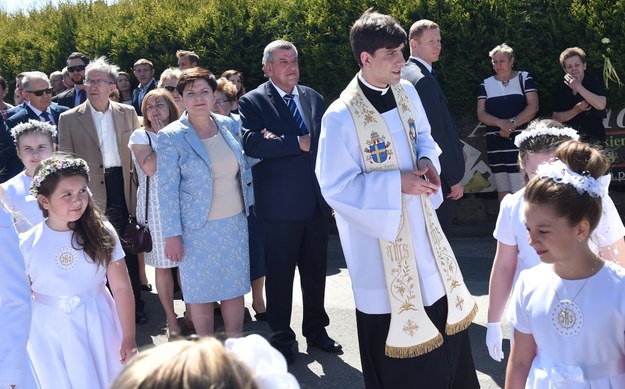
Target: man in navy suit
(425,48)
(281,122)
(39,92)
(37,89)
(73,97)
(144,72)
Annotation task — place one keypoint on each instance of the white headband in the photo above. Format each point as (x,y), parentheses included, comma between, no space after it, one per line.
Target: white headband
(560,173)
(266,363)
(544,130)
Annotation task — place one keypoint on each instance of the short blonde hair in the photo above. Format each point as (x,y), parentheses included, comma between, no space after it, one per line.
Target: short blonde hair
(228,88)
(186,365)
(503,49)
(168,74)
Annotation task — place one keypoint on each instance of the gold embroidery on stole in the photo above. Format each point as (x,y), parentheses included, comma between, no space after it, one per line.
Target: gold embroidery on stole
(411,332)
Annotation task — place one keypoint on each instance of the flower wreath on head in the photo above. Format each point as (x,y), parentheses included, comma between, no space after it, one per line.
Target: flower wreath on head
(33,127)
(560,173)
(544,130)
(51,167)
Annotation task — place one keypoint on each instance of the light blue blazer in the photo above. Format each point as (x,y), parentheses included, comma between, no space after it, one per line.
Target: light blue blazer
(185,183)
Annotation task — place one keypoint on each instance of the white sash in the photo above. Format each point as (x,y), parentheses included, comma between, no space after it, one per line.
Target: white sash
(411,332)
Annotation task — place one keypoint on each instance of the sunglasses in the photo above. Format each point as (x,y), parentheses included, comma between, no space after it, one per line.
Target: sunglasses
(169,88)
(40,92)
(78,68)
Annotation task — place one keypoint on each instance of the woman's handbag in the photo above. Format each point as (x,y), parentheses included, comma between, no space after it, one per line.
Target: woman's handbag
(137,236)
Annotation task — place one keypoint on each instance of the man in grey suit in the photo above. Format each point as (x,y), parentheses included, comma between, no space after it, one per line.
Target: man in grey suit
(98,131)
(425,48)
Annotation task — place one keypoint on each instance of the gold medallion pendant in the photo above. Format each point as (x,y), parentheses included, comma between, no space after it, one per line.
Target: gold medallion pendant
(567,318)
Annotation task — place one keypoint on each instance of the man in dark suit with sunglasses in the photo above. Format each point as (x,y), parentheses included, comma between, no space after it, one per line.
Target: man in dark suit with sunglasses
(39,107)
(73,97)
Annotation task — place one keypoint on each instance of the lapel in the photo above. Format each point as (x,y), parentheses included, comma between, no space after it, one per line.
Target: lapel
(228,135)
(69,97)
(118,121)
(193,140)
(427,73)
(86,120)
(31,114)
(55,114)
(306,108)
(276,100)
(424,70)
(283,110)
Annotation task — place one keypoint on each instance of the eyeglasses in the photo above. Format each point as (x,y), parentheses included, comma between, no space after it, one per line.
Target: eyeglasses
(221,101)
(78,68)
(97,82)
(169,88)
(41,92)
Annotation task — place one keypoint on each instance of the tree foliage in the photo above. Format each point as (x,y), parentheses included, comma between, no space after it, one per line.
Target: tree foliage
(232,34)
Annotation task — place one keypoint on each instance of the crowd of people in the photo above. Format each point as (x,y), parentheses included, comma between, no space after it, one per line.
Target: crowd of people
(238,189)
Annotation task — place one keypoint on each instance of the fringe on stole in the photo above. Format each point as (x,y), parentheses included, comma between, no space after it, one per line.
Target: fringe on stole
(414,351)
(452,329)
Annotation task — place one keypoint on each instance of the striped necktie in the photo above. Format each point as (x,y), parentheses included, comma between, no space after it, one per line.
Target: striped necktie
(290,102)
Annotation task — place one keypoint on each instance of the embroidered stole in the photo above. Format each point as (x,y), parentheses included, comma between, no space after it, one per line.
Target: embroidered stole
(411,332)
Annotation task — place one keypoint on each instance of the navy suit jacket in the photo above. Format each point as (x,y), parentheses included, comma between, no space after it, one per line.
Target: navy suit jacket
(16,109)
(285,185)
(442,121)
(26,114)
(10,164)
(135,96)
(66,98)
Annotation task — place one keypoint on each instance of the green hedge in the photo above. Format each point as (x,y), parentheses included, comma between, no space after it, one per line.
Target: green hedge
(233,33)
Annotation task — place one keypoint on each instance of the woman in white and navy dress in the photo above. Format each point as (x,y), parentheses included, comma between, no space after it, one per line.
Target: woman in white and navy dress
(506,102)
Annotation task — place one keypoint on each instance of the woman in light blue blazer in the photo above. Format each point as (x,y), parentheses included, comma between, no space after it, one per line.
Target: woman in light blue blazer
(203,181)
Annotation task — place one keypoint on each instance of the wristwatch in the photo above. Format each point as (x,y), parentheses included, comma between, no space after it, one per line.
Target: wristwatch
(513,121)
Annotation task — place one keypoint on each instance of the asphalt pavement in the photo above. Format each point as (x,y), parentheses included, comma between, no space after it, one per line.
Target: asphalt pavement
(474,248)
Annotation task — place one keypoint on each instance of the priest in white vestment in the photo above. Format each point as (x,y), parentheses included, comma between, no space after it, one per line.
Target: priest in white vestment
(368,209)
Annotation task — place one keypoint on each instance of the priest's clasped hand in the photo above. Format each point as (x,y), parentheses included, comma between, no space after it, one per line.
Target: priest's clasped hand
(417,182)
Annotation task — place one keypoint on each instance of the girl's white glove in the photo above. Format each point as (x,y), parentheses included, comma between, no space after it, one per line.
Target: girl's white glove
(494,339)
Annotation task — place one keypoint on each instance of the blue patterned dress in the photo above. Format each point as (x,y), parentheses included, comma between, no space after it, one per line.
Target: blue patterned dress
(215,265)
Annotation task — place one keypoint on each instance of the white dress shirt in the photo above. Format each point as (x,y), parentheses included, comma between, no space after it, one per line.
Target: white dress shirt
(107,136)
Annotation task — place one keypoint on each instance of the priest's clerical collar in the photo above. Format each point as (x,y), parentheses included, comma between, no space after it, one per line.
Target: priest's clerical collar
(381,90)
(381,101)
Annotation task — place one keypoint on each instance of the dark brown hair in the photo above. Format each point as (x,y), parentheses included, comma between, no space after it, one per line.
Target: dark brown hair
(373,31)
(567,202)
(89,231)
(229,73)
(189,76)
(572,52)
(541,143)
